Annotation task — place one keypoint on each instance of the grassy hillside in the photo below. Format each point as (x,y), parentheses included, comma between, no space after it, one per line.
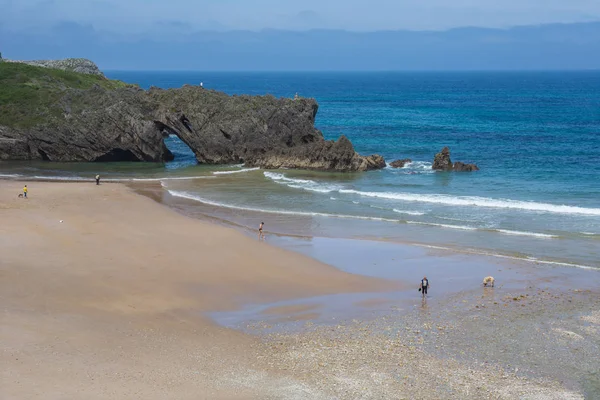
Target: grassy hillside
(31,95)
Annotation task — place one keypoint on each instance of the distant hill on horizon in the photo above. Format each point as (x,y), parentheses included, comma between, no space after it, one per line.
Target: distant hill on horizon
(573,46)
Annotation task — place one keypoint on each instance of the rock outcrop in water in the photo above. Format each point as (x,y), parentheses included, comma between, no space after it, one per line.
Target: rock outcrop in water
(91,118)
(442,162)
(400,163)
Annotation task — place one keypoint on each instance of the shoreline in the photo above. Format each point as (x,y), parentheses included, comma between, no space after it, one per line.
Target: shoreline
(160,198)
(151,276)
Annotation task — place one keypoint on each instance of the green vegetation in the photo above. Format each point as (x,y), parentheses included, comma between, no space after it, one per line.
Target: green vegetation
(31,95)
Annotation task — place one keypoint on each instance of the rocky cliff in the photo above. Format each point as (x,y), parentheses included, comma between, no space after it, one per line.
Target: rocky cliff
(75,117)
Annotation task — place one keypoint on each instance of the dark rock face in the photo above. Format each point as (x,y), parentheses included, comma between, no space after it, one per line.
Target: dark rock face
(462,167)
(319,155)
(442,162)
(95,125)
(129,124)
(400,163)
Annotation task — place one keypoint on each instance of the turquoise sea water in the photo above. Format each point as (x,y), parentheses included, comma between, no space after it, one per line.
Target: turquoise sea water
(535,136)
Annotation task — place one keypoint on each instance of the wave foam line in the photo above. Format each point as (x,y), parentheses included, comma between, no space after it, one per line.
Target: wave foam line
(460,227)
(304,184)
(478,202)
(408,212)
(471,228)
(528,259)
(189,196)
(525,233)
(235,171)
(91,179)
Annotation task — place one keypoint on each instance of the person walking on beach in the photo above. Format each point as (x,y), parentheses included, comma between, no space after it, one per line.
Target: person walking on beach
(25,191)
(424,286)
(261,235)
(97,179)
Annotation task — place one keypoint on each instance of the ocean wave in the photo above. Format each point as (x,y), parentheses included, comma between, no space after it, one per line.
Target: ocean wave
(477,202)
(422,165)
(473,228)
(10,176)
(460,227)
(304,184)
(525,233)
(408,212)
(235,171)
(91,179)
(414,167)
(199,199)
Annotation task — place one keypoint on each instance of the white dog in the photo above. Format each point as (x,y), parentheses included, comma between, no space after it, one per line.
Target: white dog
(488,280)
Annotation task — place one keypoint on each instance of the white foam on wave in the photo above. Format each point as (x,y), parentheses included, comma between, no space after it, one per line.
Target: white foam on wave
(525,233)
(408,212)
(488,254)
(472,228)
(199,199)
(460,227)
(10,176)
(477,202)
(422,165)
(414,167)
(304,184)
(190,196)
(235,171)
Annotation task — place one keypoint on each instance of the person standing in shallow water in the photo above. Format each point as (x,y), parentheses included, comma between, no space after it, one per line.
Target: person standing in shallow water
(261,234)
(424,285)
(97,179)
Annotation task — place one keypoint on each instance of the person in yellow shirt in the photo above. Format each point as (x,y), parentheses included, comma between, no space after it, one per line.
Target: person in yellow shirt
(25,191)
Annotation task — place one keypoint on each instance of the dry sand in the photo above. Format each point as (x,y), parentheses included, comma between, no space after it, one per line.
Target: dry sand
(111,304)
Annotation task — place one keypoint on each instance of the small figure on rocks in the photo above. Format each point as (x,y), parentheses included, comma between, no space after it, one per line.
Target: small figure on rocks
(424,286)
(97,179)
(296,97)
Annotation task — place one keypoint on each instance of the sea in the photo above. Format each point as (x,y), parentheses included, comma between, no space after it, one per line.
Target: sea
(534,135)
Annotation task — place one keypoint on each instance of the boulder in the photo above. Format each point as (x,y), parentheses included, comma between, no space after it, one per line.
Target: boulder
(400,163)
(442,162)
(462,167)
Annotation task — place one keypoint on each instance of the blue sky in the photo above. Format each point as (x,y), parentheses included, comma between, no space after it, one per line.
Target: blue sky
(129,16)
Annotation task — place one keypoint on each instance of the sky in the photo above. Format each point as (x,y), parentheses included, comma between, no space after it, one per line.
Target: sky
(136,16)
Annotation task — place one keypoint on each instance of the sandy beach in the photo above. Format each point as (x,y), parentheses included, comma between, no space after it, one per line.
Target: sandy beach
(107,294)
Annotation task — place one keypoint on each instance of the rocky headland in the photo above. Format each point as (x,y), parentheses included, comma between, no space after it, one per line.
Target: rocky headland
(65,115)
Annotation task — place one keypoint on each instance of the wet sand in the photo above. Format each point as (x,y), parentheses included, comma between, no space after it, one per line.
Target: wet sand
(116,302)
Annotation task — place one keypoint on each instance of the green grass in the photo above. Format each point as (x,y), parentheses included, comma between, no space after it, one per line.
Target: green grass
(29,95)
